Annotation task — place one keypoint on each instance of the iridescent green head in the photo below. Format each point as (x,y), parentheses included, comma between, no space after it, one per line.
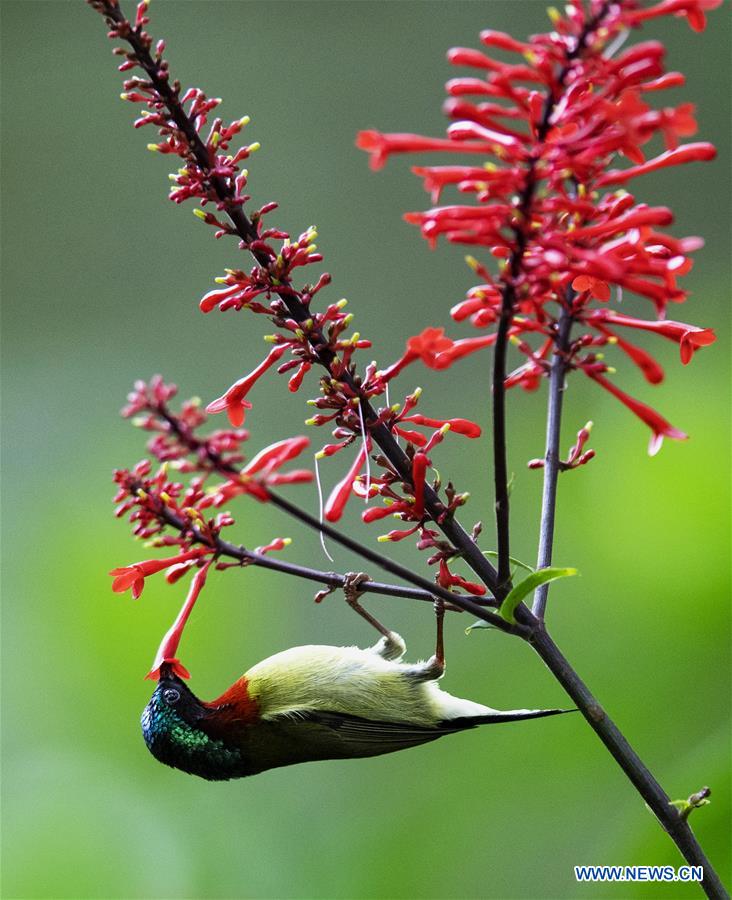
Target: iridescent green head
(174,728)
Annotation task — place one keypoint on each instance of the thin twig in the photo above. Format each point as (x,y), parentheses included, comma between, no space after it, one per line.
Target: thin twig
(551,456)
(395,568)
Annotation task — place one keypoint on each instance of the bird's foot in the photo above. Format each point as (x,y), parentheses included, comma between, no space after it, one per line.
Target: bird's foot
(390,647)
(352,582)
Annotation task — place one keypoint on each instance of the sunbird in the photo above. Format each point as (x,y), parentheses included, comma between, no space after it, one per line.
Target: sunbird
(313,703)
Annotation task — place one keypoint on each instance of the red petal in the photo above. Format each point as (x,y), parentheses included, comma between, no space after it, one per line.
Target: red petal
(338,498)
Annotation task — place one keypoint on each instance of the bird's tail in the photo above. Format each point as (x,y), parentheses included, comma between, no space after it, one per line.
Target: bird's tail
(497,715)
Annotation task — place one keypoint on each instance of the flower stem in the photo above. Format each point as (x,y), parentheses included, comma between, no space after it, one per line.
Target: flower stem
(650,790)
(551,456)
(500,456)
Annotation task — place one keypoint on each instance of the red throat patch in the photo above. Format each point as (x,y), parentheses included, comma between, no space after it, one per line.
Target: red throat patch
(235,705)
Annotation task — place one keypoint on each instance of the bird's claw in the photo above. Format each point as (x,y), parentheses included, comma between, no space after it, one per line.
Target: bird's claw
(351,584)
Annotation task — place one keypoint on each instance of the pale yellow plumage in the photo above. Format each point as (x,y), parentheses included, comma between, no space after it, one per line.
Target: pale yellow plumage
(353,681)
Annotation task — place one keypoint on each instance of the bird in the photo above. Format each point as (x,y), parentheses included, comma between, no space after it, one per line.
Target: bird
(313,703)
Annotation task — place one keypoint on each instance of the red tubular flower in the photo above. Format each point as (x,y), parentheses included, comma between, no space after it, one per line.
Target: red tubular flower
(660,427)
(169,644)
(652,371)
(447,580)
(233,401)
(700,152)
(338,498)
(276,455)
(461,348)
(397,535)
(578,456)
(689,337)
(381,146)
(438,177)
(375,513)
(436,350)
(458,426)
(134,575)
(419,467)
(428,345)
(262,472)
(276,544)
(692,10)
(295,476)
(596,287)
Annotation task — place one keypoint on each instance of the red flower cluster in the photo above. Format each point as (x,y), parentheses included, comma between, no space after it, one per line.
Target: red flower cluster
(170,513)
(210,174)
(174,437)
(551,115)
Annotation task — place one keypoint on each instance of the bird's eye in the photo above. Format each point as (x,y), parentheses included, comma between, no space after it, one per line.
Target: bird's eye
(171,696)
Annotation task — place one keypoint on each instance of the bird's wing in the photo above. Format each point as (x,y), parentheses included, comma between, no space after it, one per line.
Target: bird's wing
(355,736)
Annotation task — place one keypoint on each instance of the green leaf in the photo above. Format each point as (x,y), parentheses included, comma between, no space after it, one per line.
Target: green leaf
(525,587)
(512,559)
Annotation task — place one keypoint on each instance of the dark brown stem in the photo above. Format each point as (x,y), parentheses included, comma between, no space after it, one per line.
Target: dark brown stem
(650,790)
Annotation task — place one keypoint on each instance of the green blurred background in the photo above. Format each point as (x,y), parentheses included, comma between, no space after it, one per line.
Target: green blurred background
(101,281)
